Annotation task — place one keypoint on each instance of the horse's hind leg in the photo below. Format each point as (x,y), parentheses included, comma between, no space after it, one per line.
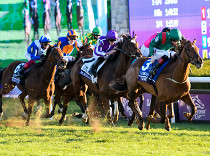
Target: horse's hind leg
(188,100)
(57,100)
(47,107)
(21,98)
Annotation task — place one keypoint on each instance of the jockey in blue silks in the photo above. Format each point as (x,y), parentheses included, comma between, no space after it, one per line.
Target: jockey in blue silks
(35,52)
(104,47)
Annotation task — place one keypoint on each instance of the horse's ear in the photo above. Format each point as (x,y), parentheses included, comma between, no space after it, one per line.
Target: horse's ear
(194,41)
(124,36)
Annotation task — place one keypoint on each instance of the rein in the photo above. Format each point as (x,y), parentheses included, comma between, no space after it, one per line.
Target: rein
(130,54)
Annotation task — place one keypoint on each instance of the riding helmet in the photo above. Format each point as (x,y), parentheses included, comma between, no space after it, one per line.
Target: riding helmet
(72,32)
(97,31)
(111,34)
(45,38)
(175,34)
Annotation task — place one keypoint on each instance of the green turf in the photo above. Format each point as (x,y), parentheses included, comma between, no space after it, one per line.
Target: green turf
(45,137)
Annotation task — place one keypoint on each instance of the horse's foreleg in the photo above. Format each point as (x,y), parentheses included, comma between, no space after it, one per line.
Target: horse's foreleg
(131,120)
(1,110)
(116,112)
(57,100)
(188,100)
(171,110)
(21,98)
(30,110)
(135,108)
(65,106)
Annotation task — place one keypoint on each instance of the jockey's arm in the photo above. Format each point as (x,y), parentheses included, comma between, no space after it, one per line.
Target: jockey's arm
(98,48)
(33,54)
(154,43)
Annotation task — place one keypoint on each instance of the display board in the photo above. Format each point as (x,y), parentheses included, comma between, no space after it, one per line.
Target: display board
(192,17)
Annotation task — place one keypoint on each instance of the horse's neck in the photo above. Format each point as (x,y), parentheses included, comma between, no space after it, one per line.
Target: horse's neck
(48,71)
(180,69)
(121,64)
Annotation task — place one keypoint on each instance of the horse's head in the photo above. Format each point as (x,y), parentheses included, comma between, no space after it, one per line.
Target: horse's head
(86,49)
(192,53)
(56,57)
(129,46)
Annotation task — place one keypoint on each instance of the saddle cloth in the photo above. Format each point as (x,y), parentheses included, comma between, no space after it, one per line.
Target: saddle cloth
(84,71)
(146,67)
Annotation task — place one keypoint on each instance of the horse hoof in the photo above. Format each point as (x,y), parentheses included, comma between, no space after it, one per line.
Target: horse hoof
(27,123)
(84,118)
(51,118)
(60,122)
(130,123)
(188,116)
(148,127)
(141,126)
(1,114)
(60,110)
(168,128)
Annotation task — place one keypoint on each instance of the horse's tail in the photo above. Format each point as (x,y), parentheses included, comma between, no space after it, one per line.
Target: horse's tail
(1,73)
(120,85)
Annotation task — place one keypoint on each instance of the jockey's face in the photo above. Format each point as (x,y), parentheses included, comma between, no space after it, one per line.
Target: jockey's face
(96,36)
(174,42)
(112,41)
(45,45)
(72,39)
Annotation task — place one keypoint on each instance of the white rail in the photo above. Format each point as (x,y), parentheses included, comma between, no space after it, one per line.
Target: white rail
(199,79)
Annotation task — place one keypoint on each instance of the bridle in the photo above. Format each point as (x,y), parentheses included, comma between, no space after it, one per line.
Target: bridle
(129,53)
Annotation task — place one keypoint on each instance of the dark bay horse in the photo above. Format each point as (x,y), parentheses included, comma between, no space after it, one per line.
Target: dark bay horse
(112,69)
(46,22)
(57,16)
(173,83)
(39,84)
(80,17)
(69,14)
(27,26)
(68,93)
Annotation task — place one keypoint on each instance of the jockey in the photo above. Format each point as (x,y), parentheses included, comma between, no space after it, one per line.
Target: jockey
(91,38)
(145,47)
(104,47)
(69,45)
(35,52)
(160,47)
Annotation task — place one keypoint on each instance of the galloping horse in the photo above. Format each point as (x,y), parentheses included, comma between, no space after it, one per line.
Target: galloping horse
(46,21)
(68,93)
(42,73)
(114,67)
(27,26)
(80,17)
(173,83)
(69,14)
(57,16)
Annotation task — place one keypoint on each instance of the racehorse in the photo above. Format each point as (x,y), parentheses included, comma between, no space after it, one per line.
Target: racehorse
(69,14)
(35,18)
(173,83)
(115,67)
(27,26)
(43,73)
(46,21)
(80,17)
(68,93)
(57,16)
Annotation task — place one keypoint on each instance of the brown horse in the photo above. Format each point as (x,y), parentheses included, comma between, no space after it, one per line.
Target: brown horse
(80,17)
(27,26)
(67,93)
(173,83)
(57,16)
(42,75)
(46,22)
(69,14)
(115,67)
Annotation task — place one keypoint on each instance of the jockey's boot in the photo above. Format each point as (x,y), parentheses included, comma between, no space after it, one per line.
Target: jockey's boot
(94,67)
(21,71)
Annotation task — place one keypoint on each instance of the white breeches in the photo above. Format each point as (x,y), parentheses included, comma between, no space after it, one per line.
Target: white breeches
(159,53)
(69,58)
